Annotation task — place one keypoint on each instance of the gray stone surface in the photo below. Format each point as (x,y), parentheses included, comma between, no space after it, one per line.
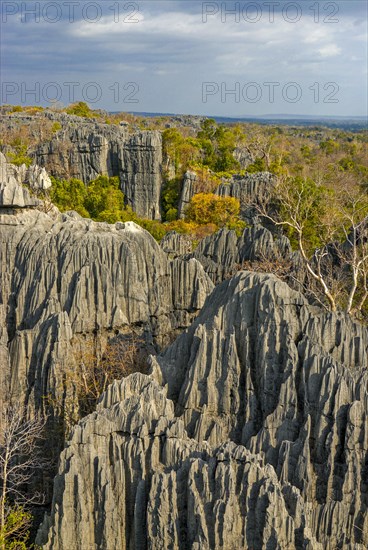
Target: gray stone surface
(86,148)
(244,188)
(223,253)
(90,149)
(187,192)
(63,277)
(37,178)
(243,156)
(131,470)
(176,244)
(251,432)
(12,193)
(251,429)
(259,366)
(218,253)
(247,188)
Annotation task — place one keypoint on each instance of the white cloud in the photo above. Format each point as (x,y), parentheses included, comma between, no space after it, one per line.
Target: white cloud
(330,50)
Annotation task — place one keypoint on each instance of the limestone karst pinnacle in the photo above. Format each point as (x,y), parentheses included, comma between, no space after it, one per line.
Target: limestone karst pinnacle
(250,432)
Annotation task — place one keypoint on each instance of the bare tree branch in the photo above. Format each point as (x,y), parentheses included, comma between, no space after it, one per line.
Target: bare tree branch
(20,457)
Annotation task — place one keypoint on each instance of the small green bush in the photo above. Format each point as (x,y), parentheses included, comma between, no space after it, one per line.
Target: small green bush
(19,156)
(56,127)
(14,533)
(80,109)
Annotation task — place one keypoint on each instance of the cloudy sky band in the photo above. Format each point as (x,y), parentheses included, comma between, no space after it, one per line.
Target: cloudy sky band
(173,49)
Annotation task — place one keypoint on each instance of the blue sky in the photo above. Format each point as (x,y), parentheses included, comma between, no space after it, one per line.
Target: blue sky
(220,58)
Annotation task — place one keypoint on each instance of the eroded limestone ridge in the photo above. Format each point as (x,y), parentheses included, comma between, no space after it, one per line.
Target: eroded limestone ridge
(85,148)
(250,432)
(63,278)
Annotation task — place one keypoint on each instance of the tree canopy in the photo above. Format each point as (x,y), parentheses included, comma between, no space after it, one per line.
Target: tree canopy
(206,208)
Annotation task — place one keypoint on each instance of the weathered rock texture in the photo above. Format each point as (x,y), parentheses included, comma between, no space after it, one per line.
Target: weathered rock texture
(187,192)
(246,189)
(176,244)
(12,193)
(223,253)
(244,157)
(85,148)
(64,276)
(251,430)
(259,439)
(131,478)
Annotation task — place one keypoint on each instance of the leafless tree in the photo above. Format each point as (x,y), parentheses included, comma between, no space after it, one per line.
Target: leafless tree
(343,221)
(93,369)
(20,457)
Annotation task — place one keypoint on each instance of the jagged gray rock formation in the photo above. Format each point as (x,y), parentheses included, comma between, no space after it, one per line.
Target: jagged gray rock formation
(251,430)
(223,253)
(176,244)
(219,254)
(247,188)
(244,157)
(12,193)
(36,177)
(260,441)
(4,355)
(86,148)
(137,480)
(101,275)
(263,368)
(140,160)
(187,192)
(63,277)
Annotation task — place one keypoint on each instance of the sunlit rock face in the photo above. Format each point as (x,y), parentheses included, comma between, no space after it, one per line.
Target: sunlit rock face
(86,148)
(250,432)
(64,277)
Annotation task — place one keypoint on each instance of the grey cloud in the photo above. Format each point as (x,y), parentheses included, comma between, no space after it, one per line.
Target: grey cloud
(171,52)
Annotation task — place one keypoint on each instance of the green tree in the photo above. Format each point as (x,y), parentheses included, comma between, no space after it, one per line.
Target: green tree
(225,147)
(218,144)
(14,533)
(311,203)
(329,146)
(157,229)
(69,195)
(258,165)
(80,109)
(104,201)
(170,198)
(178,150)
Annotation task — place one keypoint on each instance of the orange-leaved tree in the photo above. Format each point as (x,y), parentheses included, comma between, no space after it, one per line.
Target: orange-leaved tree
(208,208)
